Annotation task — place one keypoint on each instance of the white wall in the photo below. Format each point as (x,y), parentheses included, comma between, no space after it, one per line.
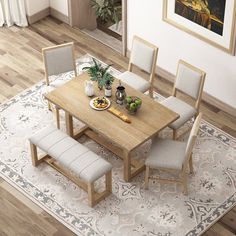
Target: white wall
(60,5)
(145,20)
(34,6)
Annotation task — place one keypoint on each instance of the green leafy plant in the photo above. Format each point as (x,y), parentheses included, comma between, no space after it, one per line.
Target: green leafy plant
(106,10)
(99,73)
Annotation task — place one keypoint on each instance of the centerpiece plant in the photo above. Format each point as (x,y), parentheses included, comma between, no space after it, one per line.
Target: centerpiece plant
(99,73)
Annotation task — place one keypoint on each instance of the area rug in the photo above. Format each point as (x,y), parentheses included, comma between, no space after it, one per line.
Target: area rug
(130,210)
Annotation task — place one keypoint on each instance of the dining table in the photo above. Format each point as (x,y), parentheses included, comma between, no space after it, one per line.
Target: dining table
(120,137)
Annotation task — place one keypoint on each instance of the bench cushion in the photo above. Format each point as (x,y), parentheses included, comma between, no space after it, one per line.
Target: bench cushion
(71,154)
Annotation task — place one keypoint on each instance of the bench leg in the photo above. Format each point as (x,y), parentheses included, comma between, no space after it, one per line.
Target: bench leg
(91,194)
(95,197)
(109,181)
(34,154)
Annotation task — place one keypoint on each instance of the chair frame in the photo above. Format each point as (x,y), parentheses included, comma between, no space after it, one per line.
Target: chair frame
(198,99)
(44,50)
(153,70)
(188,163)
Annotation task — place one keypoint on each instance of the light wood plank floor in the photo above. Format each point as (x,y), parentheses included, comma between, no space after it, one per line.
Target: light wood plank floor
(20,67)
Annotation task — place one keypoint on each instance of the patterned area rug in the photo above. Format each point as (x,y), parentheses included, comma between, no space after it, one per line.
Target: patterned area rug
(130,210)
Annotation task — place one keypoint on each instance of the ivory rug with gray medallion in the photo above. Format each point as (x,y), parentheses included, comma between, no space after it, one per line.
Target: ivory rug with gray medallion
(131,210)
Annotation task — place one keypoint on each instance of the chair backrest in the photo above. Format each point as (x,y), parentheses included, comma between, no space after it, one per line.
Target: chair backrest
(189,80)
(143,55)
(59,59)
(192,137)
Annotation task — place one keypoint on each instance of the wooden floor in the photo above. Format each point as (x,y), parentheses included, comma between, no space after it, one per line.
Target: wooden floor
(20,67)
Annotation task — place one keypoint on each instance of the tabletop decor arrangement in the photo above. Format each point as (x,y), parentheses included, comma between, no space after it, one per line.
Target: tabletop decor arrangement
(89,88)
(132,104)
(119,114)
(99,73)
(120,94)
(100,103)
(108,88)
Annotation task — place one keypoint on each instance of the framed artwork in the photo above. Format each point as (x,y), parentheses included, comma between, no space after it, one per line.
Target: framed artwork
(210,20)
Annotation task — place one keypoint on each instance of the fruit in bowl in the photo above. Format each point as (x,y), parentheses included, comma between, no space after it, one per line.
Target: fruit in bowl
(132,104)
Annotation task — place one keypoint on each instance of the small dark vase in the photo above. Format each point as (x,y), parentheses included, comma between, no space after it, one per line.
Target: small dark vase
(120,94)
(108,90)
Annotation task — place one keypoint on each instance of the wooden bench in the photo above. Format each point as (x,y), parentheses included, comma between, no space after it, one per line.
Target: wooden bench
(73,160)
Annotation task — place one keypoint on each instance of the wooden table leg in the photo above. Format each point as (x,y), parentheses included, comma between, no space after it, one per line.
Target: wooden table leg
(69,124)
(127,166)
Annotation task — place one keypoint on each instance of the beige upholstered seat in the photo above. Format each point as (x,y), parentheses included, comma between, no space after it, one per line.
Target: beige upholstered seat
(166,153)
(171,155)
(190,81)
(58,59)
(144,56)
(135,81)
(71,154)
(182,108)
(73,160)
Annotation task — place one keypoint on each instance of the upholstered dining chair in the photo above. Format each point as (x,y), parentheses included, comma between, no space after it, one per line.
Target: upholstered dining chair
(144,56)
(58,59)
(172,156)
(190,81)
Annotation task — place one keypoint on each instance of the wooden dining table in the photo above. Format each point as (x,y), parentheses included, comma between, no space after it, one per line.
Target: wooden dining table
(119,137)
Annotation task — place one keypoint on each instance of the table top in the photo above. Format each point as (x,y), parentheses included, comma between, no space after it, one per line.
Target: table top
(150,119)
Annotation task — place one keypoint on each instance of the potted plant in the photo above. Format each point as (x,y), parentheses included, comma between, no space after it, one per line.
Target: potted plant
(106,10)
(99,73)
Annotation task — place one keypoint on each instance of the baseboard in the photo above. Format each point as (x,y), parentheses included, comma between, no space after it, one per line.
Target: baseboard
(46,12)
(58,15)
(219,104)
(205,96)
(38,16)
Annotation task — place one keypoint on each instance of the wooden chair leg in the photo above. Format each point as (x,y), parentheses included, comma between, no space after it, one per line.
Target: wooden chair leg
(185,188)
(174,134)
(57,113)
(47,81)
(34,154)
(191,163)
(196,115)
(147,176)
(109,181)
(91,194)
(49,106)
(151,92)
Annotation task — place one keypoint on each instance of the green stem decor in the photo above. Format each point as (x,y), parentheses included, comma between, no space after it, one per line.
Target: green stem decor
(99,73)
